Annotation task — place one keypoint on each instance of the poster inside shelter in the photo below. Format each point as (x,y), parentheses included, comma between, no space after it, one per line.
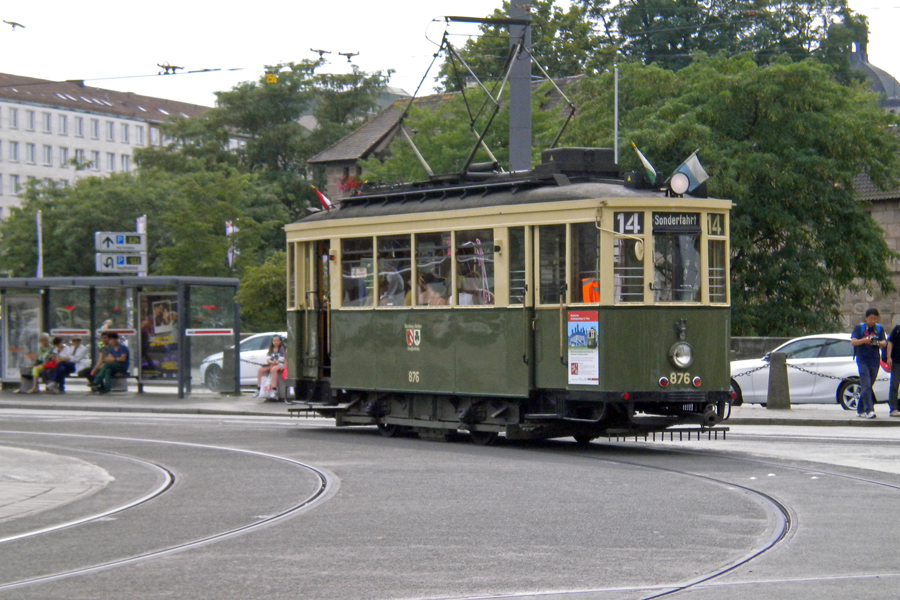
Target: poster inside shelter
(159,336)
(584,351)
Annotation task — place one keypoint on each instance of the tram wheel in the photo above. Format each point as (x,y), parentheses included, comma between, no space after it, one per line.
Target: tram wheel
(388,430)
(583,439)
(483,438)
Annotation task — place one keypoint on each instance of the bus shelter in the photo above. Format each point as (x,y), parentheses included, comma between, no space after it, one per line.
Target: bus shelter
(171,325)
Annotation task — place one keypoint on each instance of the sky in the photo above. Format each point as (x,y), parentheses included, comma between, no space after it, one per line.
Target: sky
(118,45)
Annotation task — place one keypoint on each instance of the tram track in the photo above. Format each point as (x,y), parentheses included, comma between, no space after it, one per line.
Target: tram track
(327,487)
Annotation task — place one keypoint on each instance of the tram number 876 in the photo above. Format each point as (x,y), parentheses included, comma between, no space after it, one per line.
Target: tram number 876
(677,378)
(414,377)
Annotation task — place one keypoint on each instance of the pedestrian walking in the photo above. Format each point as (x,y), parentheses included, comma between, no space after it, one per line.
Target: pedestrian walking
(893,361)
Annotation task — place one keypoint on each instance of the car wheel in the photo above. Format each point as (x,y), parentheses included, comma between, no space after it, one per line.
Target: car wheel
(848,394)
(739,396)
(213,377)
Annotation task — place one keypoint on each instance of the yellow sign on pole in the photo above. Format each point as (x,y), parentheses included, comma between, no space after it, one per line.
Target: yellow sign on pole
(271,78)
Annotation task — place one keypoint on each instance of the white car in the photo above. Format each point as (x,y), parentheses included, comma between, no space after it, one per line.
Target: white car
(253,351)
(821,369)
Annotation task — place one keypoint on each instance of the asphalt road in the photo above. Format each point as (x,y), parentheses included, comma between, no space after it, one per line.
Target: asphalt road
(245,507)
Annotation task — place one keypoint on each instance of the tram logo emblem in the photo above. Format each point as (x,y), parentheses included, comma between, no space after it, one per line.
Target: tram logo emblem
(413,337)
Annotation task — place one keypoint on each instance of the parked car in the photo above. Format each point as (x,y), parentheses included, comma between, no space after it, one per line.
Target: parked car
(253,352)
(821,369)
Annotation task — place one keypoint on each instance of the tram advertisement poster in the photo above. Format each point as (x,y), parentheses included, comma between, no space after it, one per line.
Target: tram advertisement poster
(159,341)
(584,351)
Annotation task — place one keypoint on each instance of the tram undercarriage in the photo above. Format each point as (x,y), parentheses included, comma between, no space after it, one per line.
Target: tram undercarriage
(544,415)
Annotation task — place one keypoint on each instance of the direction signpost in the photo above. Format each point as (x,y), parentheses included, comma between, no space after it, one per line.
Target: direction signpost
(120,252)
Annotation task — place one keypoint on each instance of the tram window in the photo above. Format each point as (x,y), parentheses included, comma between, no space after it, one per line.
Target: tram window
(676,267)
(394,270)
(717,272)
(516,265)
(628,270)
(357,272)
(433,251)
(585,273)
(475,267)
(553,262)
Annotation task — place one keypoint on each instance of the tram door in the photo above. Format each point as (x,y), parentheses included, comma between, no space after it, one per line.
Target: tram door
(316,341)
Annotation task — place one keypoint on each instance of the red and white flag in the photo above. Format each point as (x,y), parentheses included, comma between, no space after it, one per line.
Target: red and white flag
(325,202)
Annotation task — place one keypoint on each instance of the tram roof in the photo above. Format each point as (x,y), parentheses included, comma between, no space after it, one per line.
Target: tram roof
(463,195)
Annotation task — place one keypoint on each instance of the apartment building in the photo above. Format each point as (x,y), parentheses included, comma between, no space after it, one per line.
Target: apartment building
(63,131)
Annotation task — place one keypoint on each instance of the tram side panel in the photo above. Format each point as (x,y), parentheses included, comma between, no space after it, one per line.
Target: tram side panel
(633,345)
(466,352)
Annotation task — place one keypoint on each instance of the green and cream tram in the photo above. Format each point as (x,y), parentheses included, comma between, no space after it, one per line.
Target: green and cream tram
(560,302)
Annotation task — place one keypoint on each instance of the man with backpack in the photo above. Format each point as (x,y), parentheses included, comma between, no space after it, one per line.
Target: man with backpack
(868,339)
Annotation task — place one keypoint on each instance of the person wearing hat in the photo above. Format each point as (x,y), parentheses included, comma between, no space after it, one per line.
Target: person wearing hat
(68,360)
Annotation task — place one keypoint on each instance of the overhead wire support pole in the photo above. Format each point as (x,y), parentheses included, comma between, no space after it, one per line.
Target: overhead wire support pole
(561,93)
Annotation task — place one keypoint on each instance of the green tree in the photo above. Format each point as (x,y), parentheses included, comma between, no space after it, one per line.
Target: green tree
(262,296)
(186,215)
(784,141)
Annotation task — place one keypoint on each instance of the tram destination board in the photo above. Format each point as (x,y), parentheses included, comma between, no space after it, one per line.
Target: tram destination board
(120,262)
(120,241)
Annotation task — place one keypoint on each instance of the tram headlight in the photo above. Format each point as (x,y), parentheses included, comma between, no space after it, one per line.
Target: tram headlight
(681,354)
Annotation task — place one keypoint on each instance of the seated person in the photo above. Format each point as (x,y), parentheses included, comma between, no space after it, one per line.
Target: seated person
(90,373)
(73,358)
(115,361)
(273,367)
(43,355)
(61,354)
(432,291)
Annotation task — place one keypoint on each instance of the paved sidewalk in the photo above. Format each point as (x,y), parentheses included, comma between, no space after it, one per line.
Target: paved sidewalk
(161,400)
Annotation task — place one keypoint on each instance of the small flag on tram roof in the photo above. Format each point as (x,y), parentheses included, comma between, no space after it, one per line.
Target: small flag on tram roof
(693,170)
(325,202)
(651,172)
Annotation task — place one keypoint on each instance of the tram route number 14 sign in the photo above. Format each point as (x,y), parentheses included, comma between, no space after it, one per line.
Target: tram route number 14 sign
(584,351)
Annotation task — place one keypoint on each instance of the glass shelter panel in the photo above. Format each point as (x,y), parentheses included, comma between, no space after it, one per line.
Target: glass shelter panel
(357,272)
(517,265)
(394,270)
(585,273)
(552,258)
(213,319)
(70,310)
(475,267)
(433,263)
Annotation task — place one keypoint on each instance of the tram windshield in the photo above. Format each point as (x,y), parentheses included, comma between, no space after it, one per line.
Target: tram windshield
(676,267)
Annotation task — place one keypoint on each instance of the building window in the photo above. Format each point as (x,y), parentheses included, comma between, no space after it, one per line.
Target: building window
(46,119)
(63,125)
(30,153)
(14,151)
(154,136)
(29,120)
(63,157)
(14,186)
(126,163)
(139,135)
(95,160)
(1,152)
(79,126)
(48,155)
(110,162)
(124,133)
(14,118)
(1,193)
(79,158)
(110,131)
(95,129)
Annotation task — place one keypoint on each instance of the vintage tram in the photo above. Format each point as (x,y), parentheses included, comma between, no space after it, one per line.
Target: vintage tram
(565,301)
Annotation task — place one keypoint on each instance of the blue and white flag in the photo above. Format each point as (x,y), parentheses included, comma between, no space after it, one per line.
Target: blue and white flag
(693,170)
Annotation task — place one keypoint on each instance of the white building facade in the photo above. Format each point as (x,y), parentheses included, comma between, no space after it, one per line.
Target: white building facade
(60,132)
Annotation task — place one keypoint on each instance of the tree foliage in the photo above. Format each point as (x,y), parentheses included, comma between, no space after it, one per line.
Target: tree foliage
(784,141)
(262,295)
